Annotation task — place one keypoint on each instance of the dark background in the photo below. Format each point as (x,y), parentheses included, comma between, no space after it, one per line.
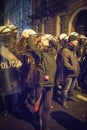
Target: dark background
(1,5)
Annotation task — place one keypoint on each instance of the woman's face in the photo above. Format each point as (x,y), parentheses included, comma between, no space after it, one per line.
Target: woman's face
(44,41)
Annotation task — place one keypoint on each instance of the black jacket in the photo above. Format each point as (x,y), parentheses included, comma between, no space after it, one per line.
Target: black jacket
(70,63)
(46,65)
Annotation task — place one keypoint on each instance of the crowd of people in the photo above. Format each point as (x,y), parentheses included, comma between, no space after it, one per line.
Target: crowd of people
(33,67)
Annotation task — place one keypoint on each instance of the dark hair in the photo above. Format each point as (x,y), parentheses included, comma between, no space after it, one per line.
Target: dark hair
(72,38)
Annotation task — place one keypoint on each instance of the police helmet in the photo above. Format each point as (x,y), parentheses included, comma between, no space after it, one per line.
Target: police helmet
(27,32)
(5,35)
(12,26)
(74,33)
(4,29)
(49,36)
(62,36)
(82,36)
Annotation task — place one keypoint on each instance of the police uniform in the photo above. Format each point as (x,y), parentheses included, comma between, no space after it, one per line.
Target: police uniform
(9,75)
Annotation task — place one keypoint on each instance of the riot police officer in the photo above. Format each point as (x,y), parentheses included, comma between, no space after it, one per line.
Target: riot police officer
(9,75)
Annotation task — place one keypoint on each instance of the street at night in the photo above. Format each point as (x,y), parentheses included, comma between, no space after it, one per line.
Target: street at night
(43,65)
(73,118)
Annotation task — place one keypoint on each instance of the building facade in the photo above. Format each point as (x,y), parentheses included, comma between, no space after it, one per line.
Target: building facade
(16,12)
(48,16)
(1,13)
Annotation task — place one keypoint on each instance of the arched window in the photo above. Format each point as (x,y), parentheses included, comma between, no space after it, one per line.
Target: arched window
(81,22)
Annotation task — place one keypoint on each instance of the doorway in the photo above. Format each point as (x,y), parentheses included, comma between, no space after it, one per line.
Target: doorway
(81,22)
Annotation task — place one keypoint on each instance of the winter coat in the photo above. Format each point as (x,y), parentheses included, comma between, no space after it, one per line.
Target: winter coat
(46,65)
(70,63)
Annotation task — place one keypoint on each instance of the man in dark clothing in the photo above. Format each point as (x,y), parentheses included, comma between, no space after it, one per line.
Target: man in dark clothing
(70,69)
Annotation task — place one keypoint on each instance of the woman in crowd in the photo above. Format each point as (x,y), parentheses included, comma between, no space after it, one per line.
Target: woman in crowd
(46,76)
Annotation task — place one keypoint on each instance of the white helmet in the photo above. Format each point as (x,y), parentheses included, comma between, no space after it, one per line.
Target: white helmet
(4,29)
(62,36)
(82,36)
(12,26)
(28,32)
(49,36)
(74,33)
(66,38)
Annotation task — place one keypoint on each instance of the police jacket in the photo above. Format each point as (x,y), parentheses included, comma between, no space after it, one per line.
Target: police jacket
(70,63)
(46,65)
(9,75)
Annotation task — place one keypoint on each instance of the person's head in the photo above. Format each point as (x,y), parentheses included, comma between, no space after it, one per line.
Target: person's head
(73,41)
(27,32)
(5,34)
(62,36)
(42,41)
(82,38)
(52,39)
(74,33)
(14,30)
